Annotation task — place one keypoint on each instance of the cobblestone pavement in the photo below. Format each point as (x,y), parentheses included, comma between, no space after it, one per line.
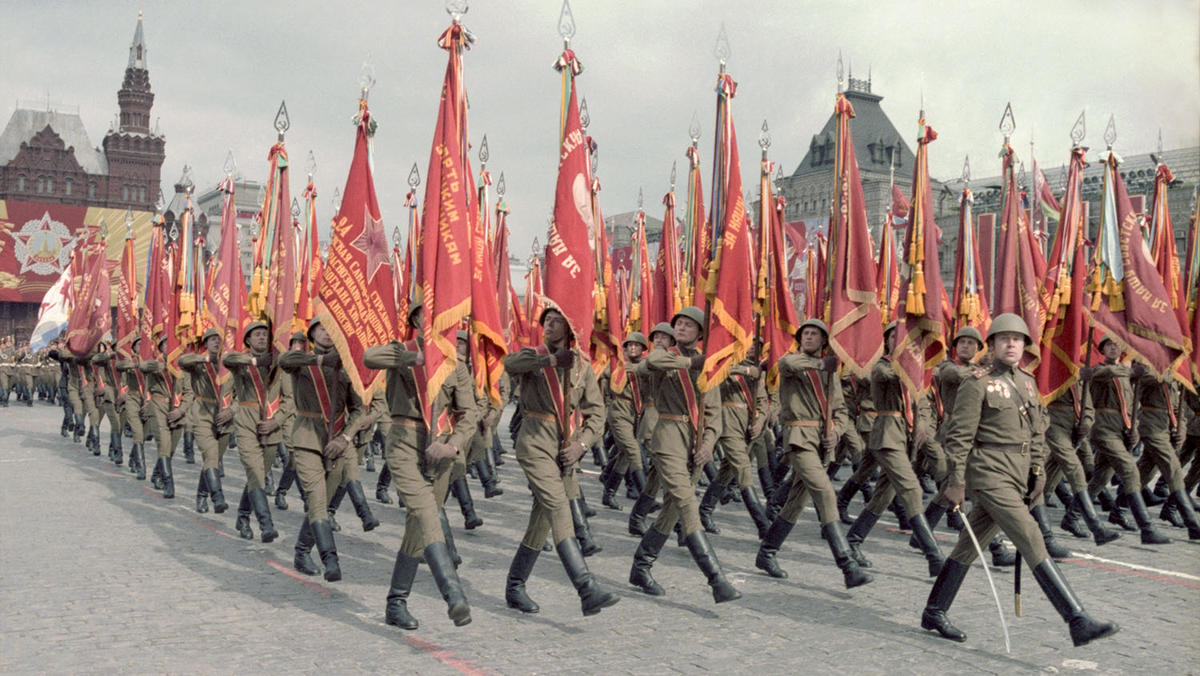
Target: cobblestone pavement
(99,574)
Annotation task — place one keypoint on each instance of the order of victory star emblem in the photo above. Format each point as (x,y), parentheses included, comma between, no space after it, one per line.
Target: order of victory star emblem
(43,247)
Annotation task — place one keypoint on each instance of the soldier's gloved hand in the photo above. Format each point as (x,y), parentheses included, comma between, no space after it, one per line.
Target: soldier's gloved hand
(828,444)
(703,455)
(1037,484)
(830,364)
(330,360)
(756,428)
(1177,438)
(752,372)
(335,447)
(265,427)
(1085,373)
(1138,369)
(1131,438)
(438,451)
(564,358)
(175,415)
(121,400)
(1085,430)
(920,437)
(570,454)
(697,362)
(223,417)
(489,419)
(955,495)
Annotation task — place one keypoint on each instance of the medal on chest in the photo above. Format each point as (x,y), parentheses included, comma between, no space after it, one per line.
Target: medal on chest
(1000,387)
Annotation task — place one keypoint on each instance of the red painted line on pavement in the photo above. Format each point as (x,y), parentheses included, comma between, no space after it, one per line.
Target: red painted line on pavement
(445,656)
(299,577)
(210,527)
(1139,573)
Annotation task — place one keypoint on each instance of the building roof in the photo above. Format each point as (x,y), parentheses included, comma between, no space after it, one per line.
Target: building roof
(137,48)
(25,122)
(873,135)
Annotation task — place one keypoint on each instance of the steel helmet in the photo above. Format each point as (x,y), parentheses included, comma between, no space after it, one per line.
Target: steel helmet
(815,323)
(969,332)
(1009,322)
(691,312)
(636,337)
(663,328)
(251,326)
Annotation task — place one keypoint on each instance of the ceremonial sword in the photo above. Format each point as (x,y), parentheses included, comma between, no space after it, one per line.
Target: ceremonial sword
(991,582)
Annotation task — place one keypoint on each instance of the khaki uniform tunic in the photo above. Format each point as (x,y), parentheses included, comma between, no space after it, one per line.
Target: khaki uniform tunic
(803,424)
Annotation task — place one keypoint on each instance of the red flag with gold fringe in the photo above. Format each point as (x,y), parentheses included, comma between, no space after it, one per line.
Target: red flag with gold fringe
(781,324)
(487,344)
(667,299)
(226,304)
(1166,260)
(357,298)
(640,317)
(90,316)
(970,307)
(730,330)
(1191,285)
(157,298)
(272,295)
(887,275)
(921,327)
(1017,270)
(308,284)
(852,305)
(127,295)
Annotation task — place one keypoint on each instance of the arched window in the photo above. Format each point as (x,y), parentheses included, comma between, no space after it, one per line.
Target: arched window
(141,194)
(50,185)
(20,184)
(41,185)
(125,193)
(91,191)
(68,185)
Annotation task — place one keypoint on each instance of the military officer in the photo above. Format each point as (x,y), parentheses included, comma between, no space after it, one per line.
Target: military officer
(689,423)
(995,449)
(563,416)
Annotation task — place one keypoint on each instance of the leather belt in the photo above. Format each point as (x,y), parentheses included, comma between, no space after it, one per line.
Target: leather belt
(801,423)
(890,414)
(538,415)
(649,404)
(673,418)
(306,414)
(733,404)
(1109,410)
(205,399)
(405,421)
(249,404)
(1008,448)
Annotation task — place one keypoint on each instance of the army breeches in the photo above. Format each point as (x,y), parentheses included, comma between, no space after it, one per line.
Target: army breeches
(1158,452)
(653,483)
(809,480)
(1064,458)
(477,448)
(212,447)
(87,395)
(256,457)
(458,469)
(866,468)
(760,447)
(165,438)
(1191,452)
(931,459)
(131,413)
(735,462)
(628,448)
(109,412)
(671,446)
(899,479)
(317,483)
(1111,453)
(73,396)
(1001,508)
(551,511)
(422,496)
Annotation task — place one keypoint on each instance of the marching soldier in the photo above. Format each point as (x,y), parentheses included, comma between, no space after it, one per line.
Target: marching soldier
(212,416)
(814,416)
(646,483)
(1112,437)
(995,449)
(563,416)
(256,423)
(895,428)
(163,402)
(861,409)
(420,465)
(623,410)
(689,423)
(104,361)
(326,413)
(458,472)
(132,397)
(743,414)
(287,418)
(1161,432)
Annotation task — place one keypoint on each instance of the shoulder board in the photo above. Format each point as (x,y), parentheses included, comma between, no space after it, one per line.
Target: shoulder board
(980,372)
(1026,371)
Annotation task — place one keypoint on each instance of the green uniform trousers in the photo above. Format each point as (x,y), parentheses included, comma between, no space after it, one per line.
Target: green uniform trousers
(809,480)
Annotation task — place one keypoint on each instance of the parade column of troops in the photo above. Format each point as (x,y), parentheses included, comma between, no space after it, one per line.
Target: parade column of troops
(932,403)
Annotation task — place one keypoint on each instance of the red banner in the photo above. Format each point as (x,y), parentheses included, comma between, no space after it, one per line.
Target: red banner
(570,272)
(921,331)
(667,299)
(1166,260)
(608,331)
(356,291)
(1017,264)
(970,306)
(487,343)
(852,314)
(308,284)
(1066,329)
(781,324)
(226,301)
(699,236)
(91,317)
(127,295)
(157,297)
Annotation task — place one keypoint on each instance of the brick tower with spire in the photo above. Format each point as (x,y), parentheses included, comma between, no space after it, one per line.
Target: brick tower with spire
(135,151)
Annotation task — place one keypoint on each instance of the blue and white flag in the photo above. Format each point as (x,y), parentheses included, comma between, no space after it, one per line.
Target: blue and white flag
(52,317)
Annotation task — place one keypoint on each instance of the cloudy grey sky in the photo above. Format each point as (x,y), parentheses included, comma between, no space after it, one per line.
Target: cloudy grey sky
(219,70)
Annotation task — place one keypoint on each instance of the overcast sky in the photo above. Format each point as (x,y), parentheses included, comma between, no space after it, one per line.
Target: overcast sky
(219,70)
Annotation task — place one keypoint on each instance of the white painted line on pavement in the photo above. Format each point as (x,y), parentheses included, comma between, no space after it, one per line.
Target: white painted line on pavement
(1134,566)
(18,460)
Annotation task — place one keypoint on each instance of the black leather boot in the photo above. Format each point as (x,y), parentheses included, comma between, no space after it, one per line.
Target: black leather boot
(592,598)
(189,447)
(138,454)
(1150,535)
(858,532)
(202,493)
(487,477)
(1072,520)
(449,537)
(897,509)
(706,559)
(933,555)
(1170,514)
(933,514)
(587,509)
(1187,511)
(644,558)
(1151,498)
(114,447)
(94,439)
(168,479)
(518,575)
(403,573)
(612,481)
(779,496)
(258,500)
(1083,504)
(437,556)
(156,476)
(852,574)
(637,515)
(1118,515)
(771,542)
(304,543)
(712,497)
(940,597)
(765,481)
(213,479)
(286,479)
(1056,550)
(583,532)
(334,503)
(242,525)
(1084,629)
(754,507)
(1063,492)
(462,493)
(844,495)
(354,489)
(78,432)
(323,535)
(381,487)
(1002,556)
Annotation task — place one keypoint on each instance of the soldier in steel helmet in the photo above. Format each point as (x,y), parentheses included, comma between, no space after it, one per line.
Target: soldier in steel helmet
(995,450)
(624,410)
(646,482)
(213,416)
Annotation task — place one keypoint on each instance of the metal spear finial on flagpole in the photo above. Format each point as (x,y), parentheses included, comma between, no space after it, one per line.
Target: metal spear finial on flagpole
(566,24)
(640,199)
(585,118)
(1110,132)
(1021,175)
(160,203)
(484,153)
(673,175)
(366,77)
(282,121)
(764,139)
(721,50)
(295,209)
(694,128)
(310,165)
(500,188)
(414,177)
(189,185)
(1079,130)
(779,177)
(839,71)
(396,236)
(456,9)
(128,221)
(966,172)
(1008,124)
(230,165)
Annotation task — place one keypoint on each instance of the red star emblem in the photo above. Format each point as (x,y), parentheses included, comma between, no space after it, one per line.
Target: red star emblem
(373,243)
